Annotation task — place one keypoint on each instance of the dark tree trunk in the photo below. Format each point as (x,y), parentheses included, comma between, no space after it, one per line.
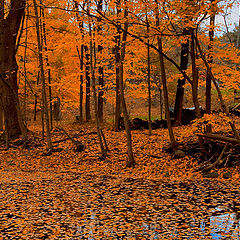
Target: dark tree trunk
(81,86)
(181,82)
(42,75)
(100,71)
(130,161)
(160,101)
(48,65)
(117,103)
(194,77)
(164,84)
(35,108)
(1,119)
(9,28)
(81,58)
(149,83)
(100,93)
(92,67)
(88,84)
(57,109)
(165,93)
(117,63)
(210,60)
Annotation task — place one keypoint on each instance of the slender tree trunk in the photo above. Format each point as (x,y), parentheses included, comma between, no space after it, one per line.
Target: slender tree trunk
(165,94)
(164,84)
(195,77)
(88,84)
(48,65)
(35,108)
(93,67)
(160,101)
(100,69)
(44,96)
(130,161)
(1,119)
(25,70)
(210,61)
(81,86)
(117,63)
(81,58)
(149,83)
(181,82)
(9,28)
(42,120)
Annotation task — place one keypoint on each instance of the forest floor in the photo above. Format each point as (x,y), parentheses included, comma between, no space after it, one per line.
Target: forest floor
(78,195)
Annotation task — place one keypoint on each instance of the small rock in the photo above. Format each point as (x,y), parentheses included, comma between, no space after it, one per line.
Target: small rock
(179,154)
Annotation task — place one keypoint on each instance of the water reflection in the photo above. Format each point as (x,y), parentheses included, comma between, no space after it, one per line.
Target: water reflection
(218,225)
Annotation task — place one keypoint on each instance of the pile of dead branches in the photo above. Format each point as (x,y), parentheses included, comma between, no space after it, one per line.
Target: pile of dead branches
(217,150)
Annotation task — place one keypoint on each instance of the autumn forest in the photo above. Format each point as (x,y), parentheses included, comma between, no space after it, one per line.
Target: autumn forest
(119,119)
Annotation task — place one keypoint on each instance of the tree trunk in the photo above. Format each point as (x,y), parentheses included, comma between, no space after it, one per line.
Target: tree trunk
(25,70)
(164,84)
(92,67)
(149,83)
(100,70)
(9,28)
(81,86)
(48,65)
(1,119)
(117,63)
(57,109)
(181,82)
(88,84)
(130,161)
(160,101)
(81,58)
(35,108)
(210,61)
(165,94)
(195,77)
(44,96)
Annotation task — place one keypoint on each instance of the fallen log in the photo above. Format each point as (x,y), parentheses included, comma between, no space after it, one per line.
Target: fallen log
(218,137)
(78,145)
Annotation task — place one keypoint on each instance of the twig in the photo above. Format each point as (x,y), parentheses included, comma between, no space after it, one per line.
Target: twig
(218,161)
(205,163)
(79,146)
(227,159)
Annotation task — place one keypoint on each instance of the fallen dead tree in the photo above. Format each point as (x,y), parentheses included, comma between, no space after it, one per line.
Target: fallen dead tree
(79,147)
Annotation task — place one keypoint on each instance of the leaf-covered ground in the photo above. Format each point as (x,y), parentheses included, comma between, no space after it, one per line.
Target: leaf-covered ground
(71,195)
